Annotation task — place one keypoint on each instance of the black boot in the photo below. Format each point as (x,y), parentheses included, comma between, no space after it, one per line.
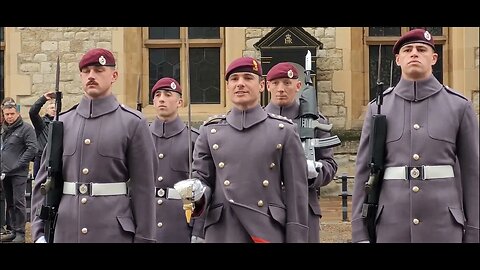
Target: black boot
(7,237)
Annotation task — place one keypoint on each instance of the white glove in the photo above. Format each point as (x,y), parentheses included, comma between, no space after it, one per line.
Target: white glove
(197,240)
(312,168)
(41,240)
(2,176)
(364,241)
(190,189)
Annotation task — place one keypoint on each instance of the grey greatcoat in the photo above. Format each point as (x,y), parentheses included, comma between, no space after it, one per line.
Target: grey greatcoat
(326,174)
(104,142)
(171,143)
(248,159)
(427,124)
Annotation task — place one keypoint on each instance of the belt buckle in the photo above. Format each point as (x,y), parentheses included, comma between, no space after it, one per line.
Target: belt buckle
(416,173)
(160,192)
(84,189)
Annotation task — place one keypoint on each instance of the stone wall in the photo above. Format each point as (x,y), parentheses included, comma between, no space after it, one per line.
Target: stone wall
(40,47)
(330,59)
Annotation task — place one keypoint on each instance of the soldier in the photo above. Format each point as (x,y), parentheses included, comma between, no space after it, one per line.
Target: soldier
(108,165)
(41,124)
(253,165)
(283,84)
(429,127)
(170,135)
(19,146)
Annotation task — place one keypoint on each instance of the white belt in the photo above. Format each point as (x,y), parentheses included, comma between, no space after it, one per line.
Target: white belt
(95,189)
(419,173)
(168,193)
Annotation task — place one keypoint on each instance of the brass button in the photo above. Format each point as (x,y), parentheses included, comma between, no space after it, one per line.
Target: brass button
(281,125)
(213,131)
(416,221)
(161,192)
(416,126)
(84,200)
(160,178)
(226,183)
(160,201)
(85,171)
(260,203)
(415,189)
(272,165)
(221,164)
(159,224)
(279,146)
(215,146)
(161,155)
(231,200)
(265,183)
(414,173)
(416,156)
(83,189)
(84,230)
(87,141)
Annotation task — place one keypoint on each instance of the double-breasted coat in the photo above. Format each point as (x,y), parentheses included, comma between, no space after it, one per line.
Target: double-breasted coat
(255,171)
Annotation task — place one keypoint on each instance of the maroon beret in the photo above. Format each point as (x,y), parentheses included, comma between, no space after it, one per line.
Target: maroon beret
(97,57)
(244,64)
(414,36)
(282,70)
(168,84)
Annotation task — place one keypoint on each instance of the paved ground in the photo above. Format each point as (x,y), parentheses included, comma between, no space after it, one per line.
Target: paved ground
(333,229)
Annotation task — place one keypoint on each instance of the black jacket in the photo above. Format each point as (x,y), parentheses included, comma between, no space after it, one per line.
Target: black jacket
(41,124)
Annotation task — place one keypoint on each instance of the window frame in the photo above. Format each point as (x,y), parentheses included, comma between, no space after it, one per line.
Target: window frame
(184,43)
(390,40)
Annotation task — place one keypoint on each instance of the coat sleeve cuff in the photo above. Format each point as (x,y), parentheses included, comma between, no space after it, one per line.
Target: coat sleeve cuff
(296,233)
(359,231)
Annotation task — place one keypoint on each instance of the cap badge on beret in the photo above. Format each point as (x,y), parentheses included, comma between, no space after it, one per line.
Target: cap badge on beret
(102,60)
(173,86)
(290,73)
(255,65)
(427,35)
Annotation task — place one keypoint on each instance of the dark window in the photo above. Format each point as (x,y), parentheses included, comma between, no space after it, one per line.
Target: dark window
(1,34)
(204,32)
(389,71)
(204,75)
(434,31)
(163,63)
(164,32)
(384,31)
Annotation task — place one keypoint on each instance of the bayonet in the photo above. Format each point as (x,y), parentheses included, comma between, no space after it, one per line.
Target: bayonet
(139,93)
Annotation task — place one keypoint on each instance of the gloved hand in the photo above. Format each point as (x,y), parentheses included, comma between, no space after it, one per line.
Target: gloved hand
(190,189)
(3,175)
(313,168)
(41,240)
(197,240)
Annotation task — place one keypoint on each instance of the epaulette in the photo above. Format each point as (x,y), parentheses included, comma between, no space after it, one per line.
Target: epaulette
(451,91)
(386,92)
(279,117)
(214,119)
(130,110)
(71,109)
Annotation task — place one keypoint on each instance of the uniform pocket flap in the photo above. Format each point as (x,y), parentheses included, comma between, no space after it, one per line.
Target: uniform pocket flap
(278,213)
(127,224)
(457,214)
(213,215)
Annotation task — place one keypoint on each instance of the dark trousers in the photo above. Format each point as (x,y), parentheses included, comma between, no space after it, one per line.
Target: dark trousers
(15,187)
(3,208)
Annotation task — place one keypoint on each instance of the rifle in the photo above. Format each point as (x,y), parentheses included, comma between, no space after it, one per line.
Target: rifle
(139,93)
(52,189)
(308,117)
(378,135)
